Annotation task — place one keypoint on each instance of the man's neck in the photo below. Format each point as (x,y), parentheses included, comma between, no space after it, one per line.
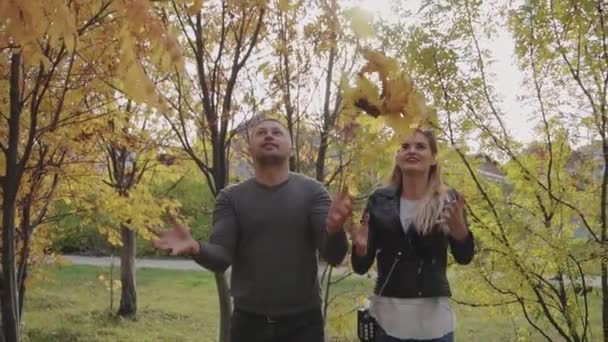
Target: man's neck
(271,175)
(414,186)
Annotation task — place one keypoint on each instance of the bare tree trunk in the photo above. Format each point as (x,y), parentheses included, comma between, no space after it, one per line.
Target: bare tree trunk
(328,120)
(128,295)
(605,297)
(225,306)
(1,330)
(22,294)
(326,297)
(290,128)
(25,254)
(220,178)
(604,236)
(320,163)
(10,187)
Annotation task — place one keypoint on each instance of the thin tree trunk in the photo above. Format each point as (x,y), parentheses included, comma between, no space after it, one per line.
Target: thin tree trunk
(223,289)
(225,306)
(604,237)
(128,295)
(605,297)
(1,330)
(10,186)
(326,299)
(25,254)
(327,116)
(320,163)
(112,281)
(22,289)
(604,233)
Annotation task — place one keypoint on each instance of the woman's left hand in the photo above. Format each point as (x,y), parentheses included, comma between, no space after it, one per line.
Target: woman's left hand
(453,216)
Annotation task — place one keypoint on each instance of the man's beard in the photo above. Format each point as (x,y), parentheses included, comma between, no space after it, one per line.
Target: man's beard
(270,160)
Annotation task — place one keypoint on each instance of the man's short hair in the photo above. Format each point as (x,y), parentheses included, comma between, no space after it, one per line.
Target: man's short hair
(261,120)
(258,121)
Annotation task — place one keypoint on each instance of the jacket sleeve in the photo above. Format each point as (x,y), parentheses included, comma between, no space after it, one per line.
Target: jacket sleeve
(463,250)
(362,264)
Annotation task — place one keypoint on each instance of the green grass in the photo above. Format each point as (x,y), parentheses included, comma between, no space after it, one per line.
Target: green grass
(75,306)
(71,304)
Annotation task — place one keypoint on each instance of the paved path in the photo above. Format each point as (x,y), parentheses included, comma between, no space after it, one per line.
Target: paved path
(174,264)
(185,264)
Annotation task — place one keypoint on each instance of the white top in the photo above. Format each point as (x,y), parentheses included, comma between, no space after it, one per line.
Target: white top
(413,318)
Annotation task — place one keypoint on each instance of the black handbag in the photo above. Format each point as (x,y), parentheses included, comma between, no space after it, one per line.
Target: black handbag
(366,324)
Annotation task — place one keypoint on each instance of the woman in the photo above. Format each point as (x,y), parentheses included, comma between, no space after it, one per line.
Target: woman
(407,226)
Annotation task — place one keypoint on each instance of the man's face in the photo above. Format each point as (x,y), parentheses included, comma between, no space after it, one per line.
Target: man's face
(270,143)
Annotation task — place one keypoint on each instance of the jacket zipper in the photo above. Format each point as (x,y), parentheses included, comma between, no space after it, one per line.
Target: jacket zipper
(420,277)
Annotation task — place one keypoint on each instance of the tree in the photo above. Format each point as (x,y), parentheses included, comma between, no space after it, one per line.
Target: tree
(288,70)
(52,55)
(525,222)
(221,38)
(131,153)
(313,46)
(568,45)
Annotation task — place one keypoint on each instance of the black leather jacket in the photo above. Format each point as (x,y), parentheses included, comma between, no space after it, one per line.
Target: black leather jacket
(419,261)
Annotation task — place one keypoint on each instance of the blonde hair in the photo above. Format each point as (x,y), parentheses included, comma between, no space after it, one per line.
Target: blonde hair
(433,202)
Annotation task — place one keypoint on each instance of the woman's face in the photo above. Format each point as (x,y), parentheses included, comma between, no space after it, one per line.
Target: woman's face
(415,155)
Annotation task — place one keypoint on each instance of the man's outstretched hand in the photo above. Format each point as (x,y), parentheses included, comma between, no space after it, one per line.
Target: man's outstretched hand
(340,210)
(176,240)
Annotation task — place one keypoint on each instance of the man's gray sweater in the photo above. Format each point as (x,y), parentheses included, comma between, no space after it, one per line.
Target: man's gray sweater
(270,236)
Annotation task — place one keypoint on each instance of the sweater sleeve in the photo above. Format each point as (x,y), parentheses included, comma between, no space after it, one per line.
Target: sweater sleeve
(217,254)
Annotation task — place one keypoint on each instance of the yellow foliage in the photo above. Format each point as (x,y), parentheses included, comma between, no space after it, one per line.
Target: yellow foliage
(377,62)
(196,7)
(37,27)
(284,5)
(104,279)
(365,91)
(401,105)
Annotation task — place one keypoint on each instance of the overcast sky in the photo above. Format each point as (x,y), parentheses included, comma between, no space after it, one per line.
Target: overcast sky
(504,68)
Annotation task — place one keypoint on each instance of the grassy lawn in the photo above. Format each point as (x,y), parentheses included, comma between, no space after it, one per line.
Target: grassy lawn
(71,304)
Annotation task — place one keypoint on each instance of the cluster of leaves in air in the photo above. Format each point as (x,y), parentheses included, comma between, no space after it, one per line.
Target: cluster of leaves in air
(397,100)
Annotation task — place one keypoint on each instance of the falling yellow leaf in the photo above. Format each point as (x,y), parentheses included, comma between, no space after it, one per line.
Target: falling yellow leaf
(398,102)
(284,5)
(196,7)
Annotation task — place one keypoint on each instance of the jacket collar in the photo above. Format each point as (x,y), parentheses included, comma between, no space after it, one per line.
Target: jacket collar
(393,194)
(390,190)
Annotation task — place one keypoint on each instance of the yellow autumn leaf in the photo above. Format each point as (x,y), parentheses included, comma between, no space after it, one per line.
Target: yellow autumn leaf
(396,95)
(195,7)
(399,103)
(367,90)
(402,126)
(284,5)
(377,62)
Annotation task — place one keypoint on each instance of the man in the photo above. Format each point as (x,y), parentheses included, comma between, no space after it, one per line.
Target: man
(269,229)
